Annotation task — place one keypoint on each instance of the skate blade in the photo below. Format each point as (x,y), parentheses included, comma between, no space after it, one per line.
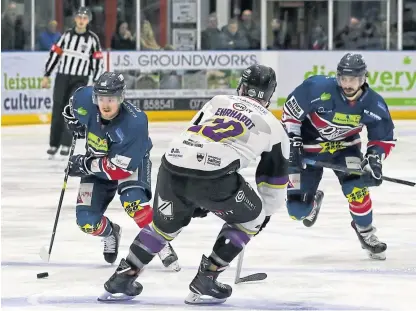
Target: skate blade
(109,297)
(174,266)
(378,256)
(197,299)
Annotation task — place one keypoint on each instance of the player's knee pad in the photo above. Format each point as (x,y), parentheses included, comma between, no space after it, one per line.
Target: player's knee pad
(230,242)
(360,204)
(93,223)
(299,205)
(135,202)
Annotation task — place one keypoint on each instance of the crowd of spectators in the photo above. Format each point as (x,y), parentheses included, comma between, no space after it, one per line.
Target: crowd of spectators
(242,32)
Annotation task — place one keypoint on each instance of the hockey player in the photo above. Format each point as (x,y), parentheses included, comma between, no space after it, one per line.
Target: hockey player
(323,117)
(116,160)
(201,169)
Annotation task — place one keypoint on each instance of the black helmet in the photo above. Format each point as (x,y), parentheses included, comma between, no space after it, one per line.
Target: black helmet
(352,65)
(259,82)
(84,11)
(110,84)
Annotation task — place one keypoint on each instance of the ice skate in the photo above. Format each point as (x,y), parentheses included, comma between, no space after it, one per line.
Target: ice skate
(111,244)
(204,287)
(51,152)
(370,242)
(310,220)
(169,258)
(122,284)
(64,151)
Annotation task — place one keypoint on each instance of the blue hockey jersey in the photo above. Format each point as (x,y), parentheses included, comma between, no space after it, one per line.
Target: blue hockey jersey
(117,146)
(327,121)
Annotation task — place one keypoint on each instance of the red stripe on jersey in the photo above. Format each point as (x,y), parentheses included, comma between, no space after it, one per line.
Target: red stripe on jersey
(113,171)
(56,49)
(292,121)
(387,146)
(317,121)
(97,55)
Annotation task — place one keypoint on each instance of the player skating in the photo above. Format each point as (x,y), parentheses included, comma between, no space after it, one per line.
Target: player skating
(323,117)
(201,169)
(116,160)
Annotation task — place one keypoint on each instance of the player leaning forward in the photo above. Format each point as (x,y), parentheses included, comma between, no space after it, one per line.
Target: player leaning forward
(324,117)
(201,169)
(116,160)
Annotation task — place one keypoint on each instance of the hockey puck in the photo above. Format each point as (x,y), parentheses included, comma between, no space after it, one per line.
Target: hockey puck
(42,275)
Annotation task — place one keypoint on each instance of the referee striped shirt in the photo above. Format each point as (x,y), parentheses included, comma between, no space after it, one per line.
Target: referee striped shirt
(77,55)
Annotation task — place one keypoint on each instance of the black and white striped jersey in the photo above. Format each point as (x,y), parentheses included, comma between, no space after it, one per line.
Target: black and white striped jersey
(77,55)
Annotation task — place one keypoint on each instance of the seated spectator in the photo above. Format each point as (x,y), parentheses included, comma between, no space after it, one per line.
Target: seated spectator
(123,39)
(232,38)
(147,38)
(49,36)
(318,39)
(210,36)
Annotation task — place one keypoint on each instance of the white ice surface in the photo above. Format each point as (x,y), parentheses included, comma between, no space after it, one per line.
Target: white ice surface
(319,268)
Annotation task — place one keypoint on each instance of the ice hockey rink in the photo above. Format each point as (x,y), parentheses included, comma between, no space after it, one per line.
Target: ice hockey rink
(318,268)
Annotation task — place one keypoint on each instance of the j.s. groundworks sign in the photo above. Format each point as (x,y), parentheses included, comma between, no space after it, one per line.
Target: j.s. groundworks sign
(171,86)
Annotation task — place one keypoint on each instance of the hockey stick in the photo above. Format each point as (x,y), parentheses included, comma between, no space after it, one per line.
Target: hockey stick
(355,171)
(45,254)
(248,278)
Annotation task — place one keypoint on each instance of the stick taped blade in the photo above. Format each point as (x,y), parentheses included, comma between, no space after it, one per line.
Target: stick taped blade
(252,278)
(44,254)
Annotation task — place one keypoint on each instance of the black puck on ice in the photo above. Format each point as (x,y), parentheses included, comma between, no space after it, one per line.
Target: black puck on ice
(42,275)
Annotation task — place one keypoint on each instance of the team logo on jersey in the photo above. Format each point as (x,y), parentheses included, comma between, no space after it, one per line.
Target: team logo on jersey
(200,156)
(331,131)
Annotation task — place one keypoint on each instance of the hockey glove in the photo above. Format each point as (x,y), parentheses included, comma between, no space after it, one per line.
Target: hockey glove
(78,166)
(264,224)
(296,151)
(73,123)
(372,164)
(200,213)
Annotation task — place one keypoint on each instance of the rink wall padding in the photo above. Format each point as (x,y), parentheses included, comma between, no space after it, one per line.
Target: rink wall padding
(173,85)
(164,116)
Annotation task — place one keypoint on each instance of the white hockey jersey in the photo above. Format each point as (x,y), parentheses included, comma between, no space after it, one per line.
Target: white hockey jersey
(236,129)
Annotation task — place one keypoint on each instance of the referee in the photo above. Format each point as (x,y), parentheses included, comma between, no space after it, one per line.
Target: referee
(78,53)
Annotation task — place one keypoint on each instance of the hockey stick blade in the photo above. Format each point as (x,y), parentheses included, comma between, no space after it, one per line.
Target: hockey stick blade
(252,278)
(44,255)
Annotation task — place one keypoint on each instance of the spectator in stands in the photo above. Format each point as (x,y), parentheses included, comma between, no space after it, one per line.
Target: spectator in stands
(232,38)
(281,36)
(211,35)
(349,35)
(147,38)
(123,39)
(409,30)
(8,20)
(318,39)
(49,36)
(251,30)
(19,34)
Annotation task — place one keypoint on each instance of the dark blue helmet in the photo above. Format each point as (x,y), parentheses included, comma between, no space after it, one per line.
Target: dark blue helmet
(259,82)
(352,65)
(84,11)
(110,84)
